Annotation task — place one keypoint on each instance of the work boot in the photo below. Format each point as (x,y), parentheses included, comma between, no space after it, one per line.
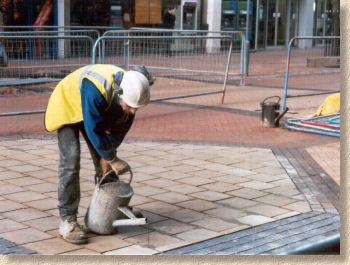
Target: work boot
(72,232)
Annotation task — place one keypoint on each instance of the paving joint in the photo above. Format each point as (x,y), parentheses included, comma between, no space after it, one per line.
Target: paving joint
(229,245)
(270,241)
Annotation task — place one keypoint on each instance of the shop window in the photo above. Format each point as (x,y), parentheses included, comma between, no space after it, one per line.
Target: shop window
(25,13)
(90,12)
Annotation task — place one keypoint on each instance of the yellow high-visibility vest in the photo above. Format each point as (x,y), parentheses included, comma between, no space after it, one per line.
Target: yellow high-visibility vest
(64,106)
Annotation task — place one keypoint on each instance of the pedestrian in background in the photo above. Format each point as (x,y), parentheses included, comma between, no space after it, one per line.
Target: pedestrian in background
(99,101)
(168,23)
(169,18)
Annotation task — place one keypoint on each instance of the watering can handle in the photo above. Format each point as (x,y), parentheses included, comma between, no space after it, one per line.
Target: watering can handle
(279,99)
(111,171)
(131,175)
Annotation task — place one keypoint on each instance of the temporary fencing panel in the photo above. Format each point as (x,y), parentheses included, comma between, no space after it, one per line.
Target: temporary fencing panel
(100,29)
(197,64)
(94,34)
(313,67)
(326,125)
(32,63)
(183,65)
(43,56)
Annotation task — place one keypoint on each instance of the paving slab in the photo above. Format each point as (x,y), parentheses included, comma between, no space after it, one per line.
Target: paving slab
(52,246)
(182,211)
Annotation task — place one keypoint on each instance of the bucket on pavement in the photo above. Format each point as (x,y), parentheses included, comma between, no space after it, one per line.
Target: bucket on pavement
(271,114)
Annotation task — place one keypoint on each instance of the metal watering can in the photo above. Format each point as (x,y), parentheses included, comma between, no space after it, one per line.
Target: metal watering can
(271,114)
(109,208)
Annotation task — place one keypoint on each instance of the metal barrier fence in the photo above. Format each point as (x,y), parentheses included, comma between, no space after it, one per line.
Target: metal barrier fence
(61,46)
(33,62)
(184,65)
(325,125)
(94,34)
(237,37)
(99,29)
(198,65)
(313,67)
(29,56)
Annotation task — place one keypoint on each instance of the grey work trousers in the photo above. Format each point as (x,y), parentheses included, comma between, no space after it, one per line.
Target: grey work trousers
(69,167)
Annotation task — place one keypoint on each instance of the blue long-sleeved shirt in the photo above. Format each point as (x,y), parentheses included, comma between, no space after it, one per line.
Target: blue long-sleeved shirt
(106,129)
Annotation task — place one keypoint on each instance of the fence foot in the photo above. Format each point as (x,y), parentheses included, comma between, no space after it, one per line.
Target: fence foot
(222,98)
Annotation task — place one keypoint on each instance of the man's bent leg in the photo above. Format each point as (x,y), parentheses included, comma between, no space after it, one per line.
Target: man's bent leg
(69,186)
(68,172)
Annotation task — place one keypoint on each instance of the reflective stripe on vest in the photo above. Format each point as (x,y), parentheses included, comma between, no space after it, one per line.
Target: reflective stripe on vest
(103,81)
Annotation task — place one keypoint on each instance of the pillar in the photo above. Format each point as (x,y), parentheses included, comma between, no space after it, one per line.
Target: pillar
(63,19)
(306,22)
(214,23)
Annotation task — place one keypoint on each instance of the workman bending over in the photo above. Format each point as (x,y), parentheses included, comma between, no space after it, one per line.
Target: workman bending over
(99,101)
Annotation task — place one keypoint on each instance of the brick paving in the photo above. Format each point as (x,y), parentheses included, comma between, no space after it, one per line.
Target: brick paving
(278,237)
(208,177)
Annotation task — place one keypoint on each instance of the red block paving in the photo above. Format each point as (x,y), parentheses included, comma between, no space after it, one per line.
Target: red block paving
(208,125)
(182,123)
(168,121)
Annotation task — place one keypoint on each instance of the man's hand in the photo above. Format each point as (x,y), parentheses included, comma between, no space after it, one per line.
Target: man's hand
(119,166)
(103,166)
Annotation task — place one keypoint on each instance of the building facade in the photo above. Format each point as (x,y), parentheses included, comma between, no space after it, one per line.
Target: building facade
(270,24)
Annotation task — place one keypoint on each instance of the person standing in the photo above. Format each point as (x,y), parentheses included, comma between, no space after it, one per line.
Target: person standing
(168,23)
(99,101)
(169,18)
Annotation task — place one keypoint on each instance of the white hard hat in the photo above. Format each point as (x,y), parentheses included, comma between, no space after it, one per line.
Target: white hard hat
(135,89)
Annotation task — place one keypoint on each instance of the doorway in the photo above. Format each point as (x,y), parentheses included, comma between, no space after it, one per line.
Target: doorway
(276,22)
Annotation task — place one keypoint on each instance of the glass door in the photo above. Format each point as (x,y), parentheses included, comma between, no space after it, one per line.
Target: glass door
(293,24)
(275,21)
(272,22)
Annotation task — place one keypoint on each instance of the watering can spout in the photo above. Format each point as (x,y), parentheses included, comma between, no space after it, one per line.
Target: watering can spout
(128,222)
(277,120)
(130,214)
